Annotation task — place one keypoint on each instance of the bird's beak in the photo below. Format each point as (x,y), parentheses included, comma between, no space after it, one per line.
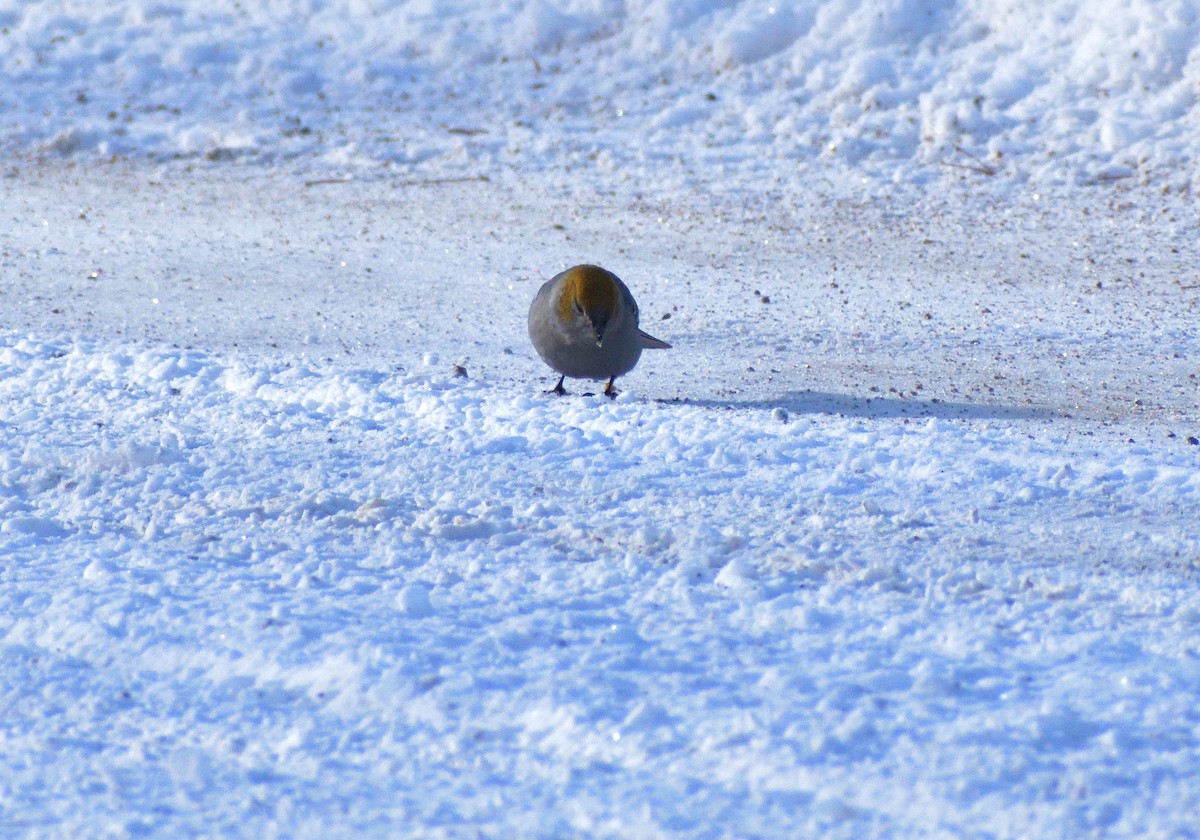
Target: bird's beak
(599,325)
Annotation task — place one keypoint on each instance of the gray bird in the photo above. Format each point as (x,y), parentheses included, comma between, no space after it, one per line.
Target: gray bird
(584,324)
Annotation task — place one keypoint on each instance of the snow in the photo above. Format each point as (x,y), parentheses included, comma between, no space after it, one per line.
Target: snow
(1052,92)
(277,597)
(898,540)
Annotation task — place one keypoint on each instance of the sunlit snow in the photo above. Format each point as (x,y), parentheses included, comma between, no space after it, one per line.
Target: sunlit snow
(899,539)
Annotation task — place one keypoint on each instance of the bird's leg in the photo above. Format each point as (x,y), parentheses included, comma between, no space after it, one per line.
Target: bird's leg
(559,389)
(609,390)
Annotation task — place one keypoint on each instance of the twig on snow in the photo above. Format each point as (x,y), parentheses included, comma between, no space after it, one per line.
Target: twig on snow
(424,182)
(979,165)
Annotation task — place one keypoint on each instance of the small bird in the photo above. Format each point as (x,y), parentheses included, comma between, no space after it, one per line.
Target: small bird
(584,324)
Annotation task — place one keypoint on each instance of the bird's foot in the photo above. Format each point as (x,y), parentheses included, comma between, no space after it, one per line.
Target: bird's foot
(558,389)
(609,390)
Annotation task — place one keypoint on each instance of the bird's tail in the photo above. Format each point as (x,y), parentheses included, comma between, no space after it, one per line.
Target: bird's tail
(649,342)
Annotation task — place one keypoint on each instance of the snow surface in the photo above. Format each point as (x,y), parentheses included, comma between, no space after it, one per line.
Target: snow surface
(629,95)
(899,539)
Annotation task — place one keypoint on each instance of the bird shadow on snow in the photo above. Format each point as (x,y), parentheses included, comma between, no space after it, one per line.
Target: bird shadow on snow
(846,405)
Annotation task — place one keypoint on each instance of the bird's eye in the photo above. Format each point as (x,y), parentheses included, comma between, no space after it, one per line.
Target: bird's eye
(578,308)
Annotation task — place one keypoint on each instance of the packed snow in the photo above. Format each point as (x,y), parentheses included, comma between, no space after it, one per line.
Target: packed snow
(899,540)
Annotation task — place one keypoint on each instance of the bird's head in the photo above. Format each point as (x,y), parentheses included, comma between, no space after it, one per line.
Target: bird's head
(590,294)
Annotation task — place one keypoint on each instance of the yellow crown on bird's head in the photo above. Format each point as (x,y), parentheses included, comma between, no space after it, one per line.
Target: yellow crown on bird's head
(592,288)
